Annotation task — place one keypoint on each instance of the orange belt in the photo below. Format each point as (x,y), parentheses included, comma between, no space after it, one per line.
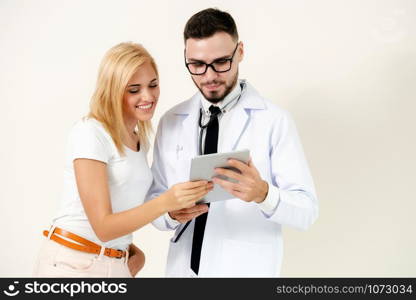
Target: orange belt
(84,245)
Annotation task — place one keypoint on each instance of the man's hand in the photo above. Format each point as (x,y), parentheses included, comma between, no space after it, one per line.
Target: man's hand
(186,214)
(249,187)
(136,259)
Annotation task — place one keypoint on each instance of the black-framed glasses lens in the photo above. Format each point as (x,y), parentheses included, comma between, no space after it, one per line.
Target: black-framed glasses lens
(198,68)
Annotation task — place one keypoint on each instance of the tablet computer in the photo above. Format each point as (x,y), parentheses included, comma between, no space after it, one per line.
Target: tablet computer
(203,168)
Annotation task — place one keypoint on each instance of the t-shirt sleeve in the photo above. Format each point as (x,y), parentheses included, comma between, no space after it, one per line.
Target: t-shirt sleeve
(86,140)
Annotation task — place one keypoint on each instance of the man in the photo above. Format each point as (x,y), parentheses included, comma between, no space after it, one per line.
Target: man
(240,237)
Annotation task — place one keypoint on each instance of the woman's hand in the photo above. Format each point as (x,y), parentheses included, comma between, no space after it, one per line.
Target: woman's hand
(185,195)
(136,259)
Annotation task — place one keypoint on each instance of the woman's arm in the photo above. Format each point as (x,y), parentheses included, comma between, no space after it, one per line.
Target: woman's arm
(92,182)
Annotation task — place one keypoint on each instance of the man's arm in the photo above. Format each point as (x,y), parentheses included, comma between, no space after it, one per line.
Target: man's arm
(291,182)
(289,199)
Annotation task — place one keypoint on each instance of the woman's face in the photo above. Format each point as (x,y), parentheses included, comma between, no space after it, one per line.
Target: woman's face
(141,95)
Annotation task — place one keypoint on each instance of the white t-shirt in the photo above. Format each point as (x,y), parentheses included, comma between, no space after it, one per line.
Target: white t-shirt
(129,178)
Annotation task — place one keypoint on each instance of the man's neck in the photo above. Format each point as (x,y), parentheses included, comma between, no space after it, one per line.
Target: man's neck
(231,96)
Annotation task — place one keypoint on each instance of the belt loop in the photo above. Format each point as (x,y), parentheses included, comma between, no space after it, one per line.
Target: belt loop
(102,250)
(51,230)
(127,255)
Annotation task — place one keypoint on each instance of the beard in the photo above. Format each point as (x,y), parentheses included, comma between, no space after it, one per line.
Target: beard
(216,96)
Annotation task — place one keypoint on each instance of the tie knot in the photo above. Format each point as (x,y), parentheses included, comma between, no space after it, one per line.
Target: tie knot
(214,110)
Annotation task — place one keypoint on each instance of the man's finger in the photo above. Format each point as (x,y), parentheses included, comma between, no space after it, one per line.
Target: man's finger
(190,214)
(230,174)
(187,217)
(196,208)
(239,165)
(228,186)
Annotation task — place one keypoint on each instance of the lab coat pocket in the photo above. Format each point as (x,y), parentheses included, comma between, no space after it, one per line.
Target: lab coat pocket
(246,259)
(177,165)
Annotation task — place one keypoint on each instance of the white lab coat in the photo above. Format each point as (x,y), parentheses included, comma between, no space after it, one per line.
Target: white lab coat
(240,240)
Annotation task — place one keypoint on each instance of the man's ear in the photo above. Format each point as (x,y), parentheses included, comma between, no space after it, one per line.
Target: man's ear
(240,51)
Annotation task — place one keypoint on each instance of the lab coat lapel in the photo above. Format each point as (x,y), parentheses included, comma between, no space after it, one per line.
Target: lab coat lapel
(249,100)
(236,128)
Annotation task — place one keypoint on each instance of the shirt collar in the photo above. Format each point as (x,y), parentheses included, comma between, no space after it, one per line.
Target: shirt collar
(224,103)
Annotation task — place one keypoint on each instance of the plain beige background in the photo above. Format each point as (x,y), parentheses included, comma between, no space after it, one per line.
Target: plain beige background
(346,70)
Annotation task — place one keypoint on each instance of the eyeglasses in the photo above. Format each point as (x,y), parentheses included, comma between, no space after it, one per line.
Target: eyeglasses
(221,65)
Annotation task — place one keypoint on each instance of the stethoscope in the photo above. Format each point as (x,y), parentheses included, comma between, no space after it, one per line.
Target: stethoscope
(202,127)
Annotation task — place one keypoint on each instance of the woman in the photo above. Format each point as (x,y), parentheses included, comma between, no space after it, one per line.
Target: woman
(107,176)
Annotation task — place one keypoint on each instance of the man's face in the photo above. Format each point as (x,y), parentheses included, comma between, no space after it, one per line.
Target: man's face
(213,85)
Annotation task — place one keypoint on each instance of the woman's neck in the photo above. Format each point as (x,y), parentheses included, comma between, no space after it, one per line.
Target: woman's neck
(130,138)
(130,125)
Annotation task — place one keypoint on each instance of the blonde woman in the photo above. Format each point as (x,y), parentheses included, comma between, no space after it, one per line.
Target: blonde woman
(107,176)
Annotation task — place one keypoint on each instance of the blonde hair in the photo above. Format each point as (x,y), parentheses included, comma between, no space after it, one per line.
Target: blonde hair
(117,67)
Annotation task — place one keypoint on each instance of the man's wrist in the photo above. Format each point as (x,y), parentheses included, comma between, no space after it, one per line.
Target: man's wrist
(264,192)
(269,205)
(171,222)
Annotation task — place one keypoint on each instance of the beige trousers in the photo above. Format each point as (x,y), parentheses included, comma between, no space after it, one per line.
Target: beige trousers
(56,260)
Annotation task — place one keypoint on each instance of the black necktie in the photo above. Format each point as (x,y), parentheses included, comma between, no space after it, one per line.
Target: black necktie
(211,142)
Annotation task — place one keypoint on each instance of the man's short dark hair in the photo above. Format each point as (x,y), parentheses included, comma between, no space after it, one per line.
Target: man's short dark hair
(208,22)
